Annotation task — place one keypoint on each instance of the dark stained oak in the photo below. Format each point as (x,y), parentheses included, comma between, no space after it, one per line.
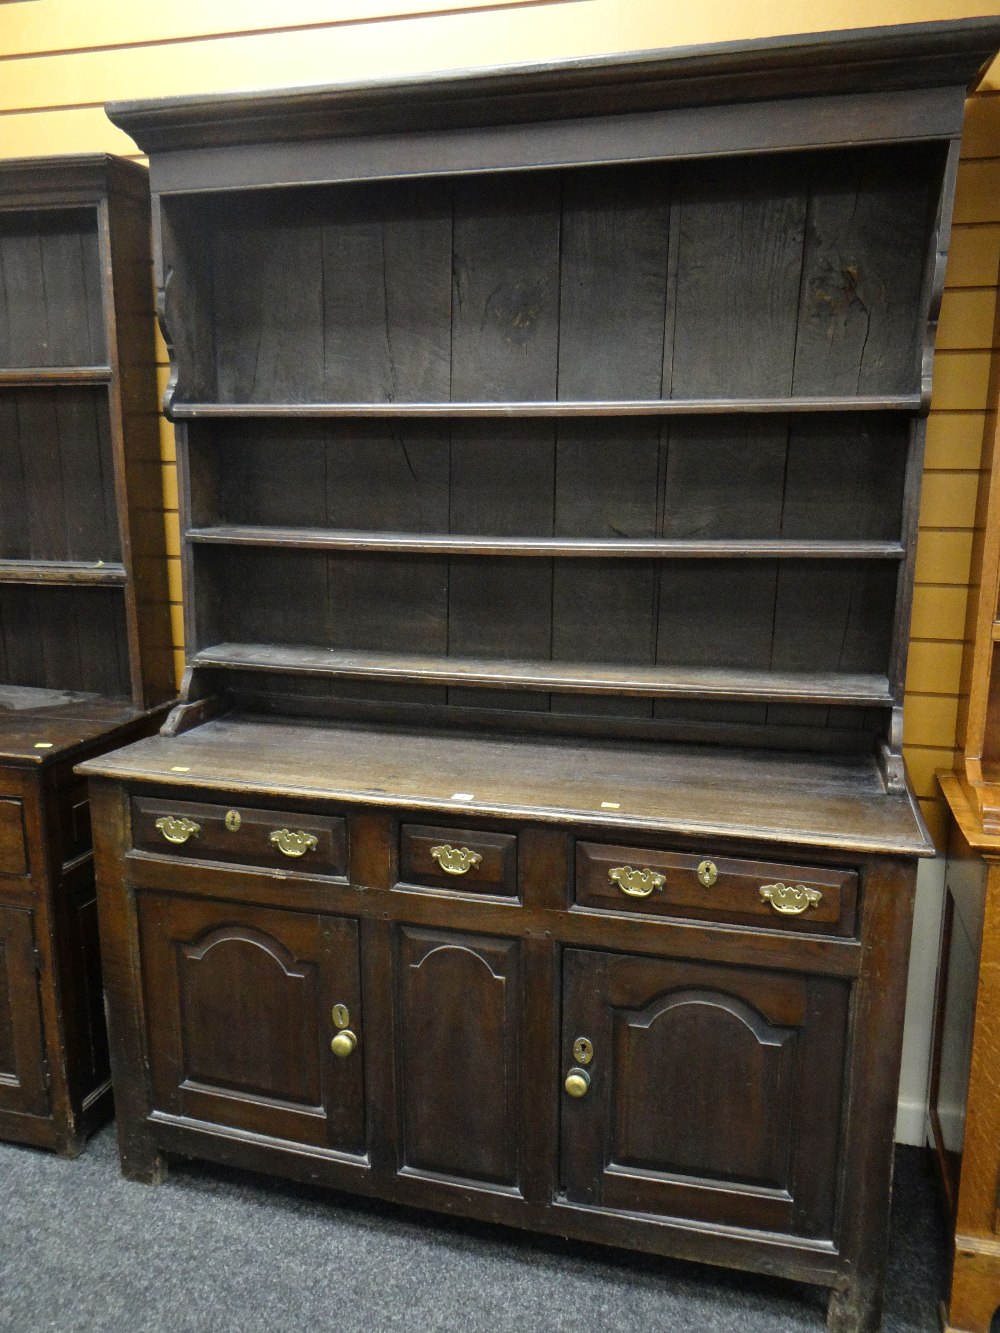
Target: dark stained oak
(85,656)
(549,445)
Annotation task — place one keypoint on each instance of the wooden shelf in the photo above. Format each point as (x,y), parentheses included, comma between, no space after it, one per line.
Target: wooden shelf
(577,408)
(568,677)
(417,543)
(27,377)
(64,573)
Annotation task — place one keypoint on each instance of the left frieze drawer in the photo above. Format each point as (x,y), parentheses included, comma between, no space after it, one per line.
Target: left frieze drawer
(13,849)
(273,839)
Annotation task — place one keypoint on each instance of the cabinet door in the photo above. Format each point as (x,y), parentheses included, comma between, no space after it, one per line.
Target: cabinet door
(457,1025)
(714,1092)
(239,1004)
(22,1051)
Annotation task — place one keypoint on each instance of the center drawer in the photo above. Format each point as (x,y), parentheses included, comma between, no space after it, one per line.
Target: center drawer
(738,892)
(272,839)
(458,860)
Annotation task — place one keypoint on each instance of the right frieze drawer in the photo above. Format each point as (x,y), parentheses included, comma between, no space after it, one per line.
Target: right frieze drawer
(713,888)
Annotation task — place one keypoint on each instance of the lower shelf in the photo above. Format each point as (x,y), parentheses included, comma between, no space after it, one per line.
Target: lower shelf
(573,677)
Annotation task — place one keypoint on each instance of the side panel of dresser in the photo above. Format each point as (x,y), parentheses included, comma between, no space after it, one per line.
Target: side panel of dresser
(54,1083)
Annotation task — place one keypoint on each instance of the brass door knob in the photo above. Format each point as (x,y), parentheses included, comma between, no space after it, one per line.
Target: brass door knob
(577,1082)
(344,1043)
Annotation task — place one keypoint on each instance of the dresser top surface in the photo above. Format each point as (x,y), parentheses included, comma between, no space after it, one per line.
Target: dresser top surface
(39,726)
(833,801)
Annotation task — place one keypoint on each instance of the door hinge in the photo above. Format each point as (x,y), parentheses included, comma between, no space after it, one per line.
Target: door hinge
(37,953)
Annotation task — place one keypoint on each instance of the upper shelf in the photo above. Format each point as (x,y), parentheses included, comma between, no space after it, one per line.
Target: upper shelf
(550,408)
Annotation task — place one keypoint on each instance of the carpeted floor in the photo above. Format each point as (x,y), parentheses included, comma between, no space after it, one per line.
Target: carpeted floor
(220,1251)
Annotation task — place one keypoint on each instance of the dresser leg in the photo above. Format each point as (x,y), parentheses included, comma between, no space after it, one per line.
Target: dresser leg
(140,1159)
(856,1308)
(975,1293)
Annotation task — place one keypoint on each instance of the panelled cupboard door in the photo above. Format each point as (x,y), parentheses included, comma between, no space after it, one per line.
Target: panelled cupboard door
(458,1017)
(239,1007)
(714,1091)
(22,1052)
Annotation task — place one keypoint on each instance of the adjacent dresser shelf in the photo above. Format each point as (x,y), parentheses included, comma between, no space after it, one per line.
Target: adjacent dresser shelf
(85,657)
(17,377)
(181,411)
(418,543)
(572,677)
(64,573)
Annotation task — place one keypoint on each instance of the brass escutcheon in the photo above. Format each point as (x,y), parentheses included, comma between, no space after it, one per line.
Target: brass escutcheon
(708,873)
(455,860)
(583,1050)
(790,899)
(341,1016)
(233,821)
(636,883)
(293,843)
(177,830)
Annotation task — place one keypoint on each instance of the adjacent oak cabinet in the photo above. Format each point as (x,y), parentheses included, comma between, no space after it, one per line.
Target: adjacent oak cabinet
(965,1096)
(84,633)
(532,840)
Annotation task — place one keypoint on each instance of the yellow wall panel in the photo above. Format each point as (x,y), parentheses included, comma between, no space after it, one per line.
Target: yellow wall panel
(977,198)
(974,256)
(653,23)
(954,440)
(961,380)
(168,446)
(967,318)
(936,817)
(942,557)
(172,527)
(981,135)
(40,134)
(932,668)
(174,581)
(949,501)
(29,29)
(930,719)
(177,623)
(309,57)
(169,472)
(939,613)
(923,762)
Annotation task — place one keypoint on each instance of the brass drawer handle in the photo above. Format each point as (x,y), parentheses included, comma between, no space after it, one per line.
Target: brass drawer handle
(177,830)
(790,899)
(294,843)
(455,860)
(636,883)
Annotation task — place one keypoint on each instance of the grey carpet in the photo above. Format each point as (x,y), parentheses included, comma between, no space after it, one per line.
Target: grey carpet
(222,1251)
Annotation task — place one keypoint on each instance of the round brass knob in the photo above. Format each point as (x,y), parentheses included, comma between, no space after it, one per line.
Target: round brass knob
(577,1082)
(344,1043)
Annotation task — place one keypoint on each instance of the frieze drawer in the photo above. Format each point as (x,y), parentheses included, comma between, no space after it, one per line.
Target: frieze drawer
(13,850)
(273,839)
(463,860)
(712,888)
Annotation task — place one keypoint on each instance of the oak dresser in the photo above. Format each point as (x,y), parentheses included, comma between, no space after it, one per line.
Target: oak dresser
(533,840)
